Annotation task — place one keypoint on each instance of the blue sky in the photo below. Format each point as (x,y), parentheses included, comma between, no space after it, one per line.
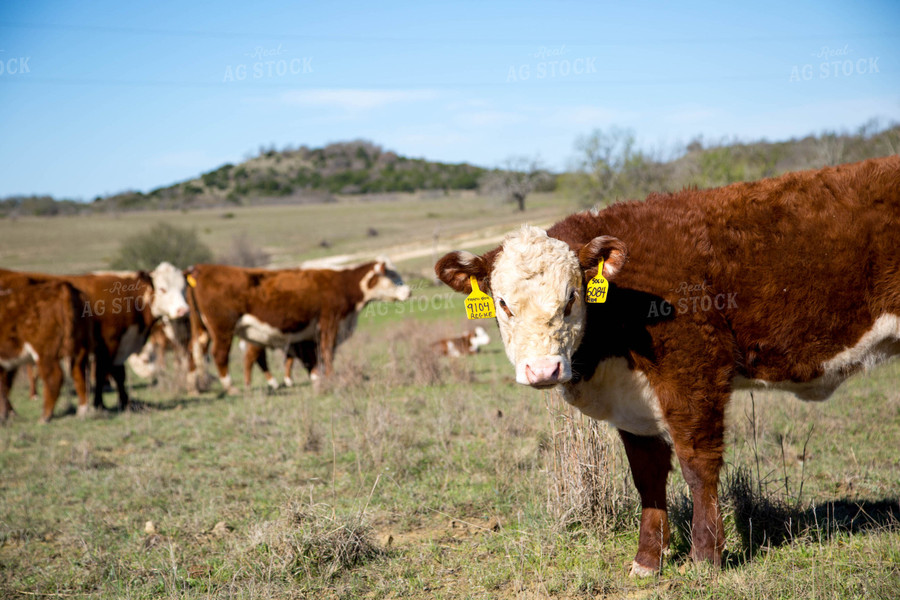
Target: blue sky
(128,95)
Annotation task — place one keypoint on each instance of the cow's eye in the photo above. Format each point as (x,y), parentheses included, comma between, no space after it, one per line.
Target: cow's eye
(570,303)
(505,307)
(162,290)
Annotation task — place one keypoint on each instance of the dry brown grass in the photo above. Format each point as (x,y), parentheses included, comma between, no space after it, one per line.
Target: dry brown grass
(313,543)
(590,480)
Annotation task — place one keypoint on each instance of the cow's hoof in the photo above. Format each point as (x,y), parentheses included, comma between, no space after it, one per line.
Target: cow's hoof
(273,384)
(638,570)
(288,382)
(43,420)
(82,410)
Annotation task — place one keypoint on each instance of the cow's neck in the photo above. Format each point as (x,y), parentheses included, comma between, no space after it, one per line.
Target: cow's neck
(355,280)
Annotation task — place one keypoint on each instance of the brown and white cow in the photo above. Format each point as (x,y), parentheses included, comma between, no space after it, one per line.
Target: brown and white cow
(41,325)
(791,283)
(311,310)
(124,306)
(464,344)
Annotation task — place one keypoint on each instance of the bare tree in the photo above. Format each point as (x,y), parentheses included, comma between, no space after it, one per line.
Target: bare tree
(519,176)
(610,166)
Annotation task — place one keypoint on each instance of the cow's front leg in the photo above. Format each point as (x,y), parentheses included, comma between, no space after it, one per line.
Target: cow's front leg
(101,371)
(650,459)
(118,375)
(700,455)
(6,379)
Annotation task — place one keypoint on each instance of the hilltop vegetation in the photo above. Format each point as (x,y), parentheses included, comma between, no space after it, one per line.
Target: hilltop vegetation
(610,167)
(305,175)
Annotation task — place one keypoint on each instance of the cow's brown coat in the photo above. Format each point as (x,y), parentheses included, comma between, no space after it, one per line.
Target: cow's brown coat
(811,261)
(44,319)
(116,302)
(289,300)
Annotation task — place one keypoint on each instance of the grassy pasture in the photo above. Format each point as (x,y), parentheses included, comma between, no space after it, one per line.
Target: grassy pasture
(289,233)
(408,475)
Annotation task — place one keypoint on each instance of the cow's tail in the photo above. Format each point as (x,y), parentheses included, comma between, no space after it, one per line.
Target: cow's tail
(77,323)
(196,356)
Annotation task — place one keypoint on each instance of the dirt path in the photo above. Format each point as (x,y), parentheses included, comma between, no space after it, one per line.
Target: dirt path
(404,252)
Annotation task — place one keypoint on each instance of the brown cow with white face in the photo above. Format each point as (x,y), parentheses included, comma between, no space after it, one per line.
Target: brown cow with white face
(790,283)
(311,310)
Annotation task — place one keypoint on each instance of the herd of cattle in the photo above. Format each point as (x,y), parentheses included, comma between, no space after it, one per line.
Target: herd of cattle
(789,283)
(133,317)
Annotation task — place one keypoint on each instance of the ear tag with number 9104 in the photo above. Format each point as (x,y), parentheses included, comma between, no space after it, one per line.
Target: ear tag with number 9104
(478,304)
(597,287)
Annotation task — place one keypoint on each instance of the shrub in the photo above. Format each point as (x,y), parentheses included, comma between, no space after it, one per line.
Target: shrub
(179,246)
(244,253)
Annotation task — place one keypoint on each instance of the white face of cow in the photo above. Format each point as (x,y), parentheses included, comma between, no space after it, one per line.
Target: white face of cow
(538,287)
(384,283)
(168,292)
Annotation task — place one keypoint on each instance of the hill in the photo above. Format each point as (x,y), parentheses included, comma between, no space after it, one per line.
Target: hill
(612,168)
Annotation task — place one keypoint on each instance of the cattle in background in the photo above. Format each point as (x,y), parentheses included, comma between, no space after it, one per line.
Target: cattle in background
(124,306)
(789,283)
(312,310)
(41,325)
(464,344)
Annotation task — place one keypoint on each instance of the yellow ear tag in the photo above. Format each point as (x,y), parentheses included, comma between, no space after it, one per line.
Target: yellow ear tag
(191,281)
(597,287)
(478,304)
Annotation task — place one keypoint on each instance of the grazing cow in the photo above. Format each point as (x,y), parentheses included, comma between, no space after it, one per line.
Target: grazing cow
(464,344)
(311,310)
(40,325)
(790,283)
(124,306)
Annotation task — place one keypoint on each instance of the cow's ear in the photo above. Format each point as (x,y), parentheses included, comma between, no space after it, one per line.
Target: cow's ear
(145,276)
(456,268)
(380,268)
(611,250)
